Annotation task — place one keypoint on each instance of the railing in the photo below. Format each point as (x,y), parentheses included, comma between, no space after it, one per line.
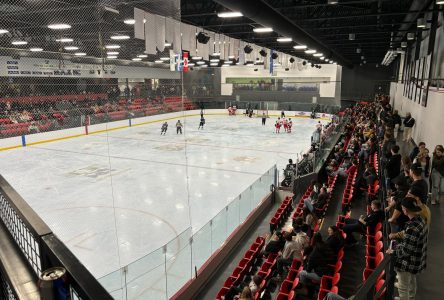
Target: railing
(40,248)
(160,274)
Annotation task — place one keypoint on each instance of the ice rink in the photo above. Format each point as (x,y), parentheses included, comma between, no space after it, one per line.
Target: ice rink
(116,196)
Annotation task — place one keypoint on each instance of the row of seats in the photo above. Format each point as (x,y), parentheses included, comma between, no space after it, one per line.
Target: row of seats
(244,266)
(299,209)
(281,214)
(349,188)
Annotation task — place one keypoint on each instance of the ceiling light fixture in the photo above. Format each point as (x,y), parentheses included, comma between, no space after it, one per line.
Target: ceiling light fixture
(214,64)
(318,54)
(3,31)
(284,40)
(158,61)
(112,57)
(136,59)
(64,40)
(333,1)
(120,37)
(35,49)
(112,46)
(167,44)
(439,2)
(129,21)
(200,62)
(71,48)
(164,58)
(310,51)
(60,26)
(17,43)
(263,29)
(300,47)
(214,60)
(112,53)
(196,58)
(421,23)
(142,55)
(230,14)
(80,54)
(322,58)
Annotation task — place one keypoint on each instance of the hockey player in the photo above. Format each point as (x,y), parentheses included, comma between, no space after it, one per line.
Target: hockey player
(290,124)
(285,122)
(278,125)
(164,128)
(179,127)
(202,122)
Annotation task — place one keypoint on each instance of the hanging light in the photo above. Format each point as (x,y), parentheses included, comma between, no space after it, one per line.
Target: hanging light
(300,47)
(421,23)
(71,48)
(3,31)
(262,29)
(59,26)
(129,21)
(112,46)
(80,54)
(35,49)
(230,14)
(310,51)
(120,37)
(18,43)
(64,40)
(284,40)
(136,59)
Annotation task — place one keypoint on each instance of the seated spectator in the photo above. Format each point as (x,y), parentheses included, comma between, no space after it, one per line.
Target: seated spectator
(317,261)
(232,294)
(299,225)
(254,284)
(275,244)
(359,225)
(335,239)
(313,204)
(292,249)
(246,294)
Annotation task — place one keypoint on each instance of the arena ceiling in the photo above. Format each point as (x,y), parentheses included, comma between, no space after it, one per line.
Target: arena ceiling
(377,25)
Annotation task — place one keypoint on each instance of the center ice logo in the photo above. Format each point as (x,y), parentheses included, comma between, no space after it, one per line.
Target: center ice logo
(95,172)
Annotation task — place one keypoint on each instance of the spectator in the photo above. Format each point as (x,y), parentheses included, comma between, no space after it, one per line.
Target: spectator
(437,174)
(423,159)
(393,165)
(419,184)
(397,218)
(398,122)
(254,284)
(292,249)
(411,253)
(275,244)
(359,225)
(415,192)
(317,261)
(416,150)
(246,294)
(335,239)
(409,122)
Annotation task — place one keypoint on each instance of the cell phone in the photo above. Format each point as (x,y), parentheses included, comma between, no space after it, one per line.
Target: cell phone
(393,244)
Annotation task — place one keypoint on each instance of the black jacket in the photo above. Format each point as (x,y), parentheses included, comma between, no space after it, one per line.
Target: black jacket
(409,122)
(319,259)
(393,166)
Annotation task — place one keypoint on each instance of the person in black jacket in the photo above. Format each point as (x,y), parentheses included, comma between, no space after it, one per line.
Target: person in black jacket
(354,225)
(397,121)
(335,239)
(317,261)
(393,166)
(416,150)
(409,122)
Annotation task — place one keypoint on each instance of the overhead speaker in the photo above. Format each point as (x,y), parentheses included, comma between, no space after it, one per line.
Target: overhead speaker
(304,63)
(202,38)
(248,49)
(291,60)
(287,69)
(274,56)
(263,53)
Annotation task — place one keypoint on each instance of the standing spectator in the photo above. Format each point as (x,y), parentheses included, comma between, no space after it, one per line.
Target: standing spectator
(393,166)
(419,184)
(409,122)
(437,174)
(397,121)
(423,159)
(411,253)
(416,150)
